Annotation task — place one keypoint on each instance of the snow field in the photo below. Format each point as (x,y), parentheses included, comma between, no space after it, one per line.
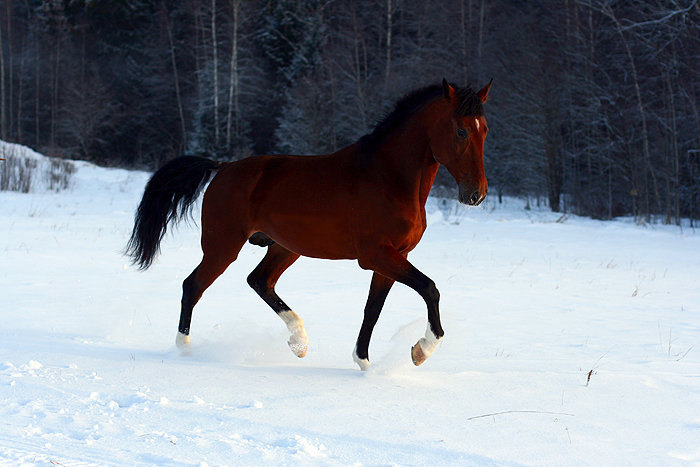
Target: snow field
(582,338)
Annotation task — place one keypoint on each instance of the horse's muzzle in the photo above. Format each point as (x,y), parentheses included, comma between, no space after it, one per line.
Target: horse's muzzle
(471,196)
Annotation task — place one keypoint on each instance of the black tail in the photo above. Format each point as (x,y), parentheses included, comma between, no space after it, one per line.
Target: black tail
(169,195)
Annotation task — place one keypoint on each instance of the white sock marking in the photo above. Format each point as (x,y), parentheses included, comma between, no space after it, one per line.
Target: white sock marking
(429,342)
(298,341)
(182,341)
(363,363)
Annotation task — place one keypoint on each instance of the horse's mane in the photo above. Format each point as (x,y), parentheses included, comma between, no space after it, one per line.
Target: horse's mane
(469,105)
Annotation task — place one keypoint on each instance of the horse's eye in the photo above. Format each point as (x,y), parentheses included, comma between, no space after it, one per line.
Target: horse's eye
(461,132)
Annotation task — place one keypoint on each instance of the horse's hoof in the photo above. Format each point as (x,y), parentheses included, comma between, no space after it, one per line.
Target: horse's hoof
(298,341)
(417,354)
(363,363)
(299,344)
(425,347)
(182,341)
(298,348)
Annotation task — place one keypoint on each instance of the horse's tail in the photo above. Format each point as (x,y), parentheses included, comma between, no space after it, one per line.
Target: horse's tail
(169,196)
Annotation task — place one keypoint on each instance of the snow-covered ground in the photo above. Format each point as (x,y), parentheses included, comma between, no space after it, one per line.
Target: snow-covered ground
(567,343)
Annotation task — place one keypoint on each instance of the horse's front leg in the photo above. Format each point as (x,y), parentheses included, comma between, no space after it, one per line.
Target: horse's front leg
(378,290)
(392,264)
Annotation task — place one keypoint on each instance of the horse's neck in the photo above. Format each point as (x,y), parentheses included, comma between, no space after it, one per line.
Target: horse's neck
(407,160)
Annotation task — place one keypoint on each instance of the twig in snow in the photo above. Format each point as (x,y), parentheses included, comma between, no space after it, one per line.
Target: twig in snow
(684,354)
(520,411)
(595,365)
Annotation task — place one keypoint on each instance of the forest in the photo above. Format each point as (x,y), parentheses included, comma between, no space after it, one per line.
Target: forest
(594,108)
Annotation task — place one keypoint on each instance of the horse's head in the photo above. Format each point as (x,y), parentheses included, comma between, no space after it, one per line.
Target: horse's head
(457,140)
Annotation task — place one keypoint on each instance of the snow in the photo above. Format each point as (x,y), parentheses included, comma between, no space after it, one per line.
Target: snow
(566,343)
(20,159)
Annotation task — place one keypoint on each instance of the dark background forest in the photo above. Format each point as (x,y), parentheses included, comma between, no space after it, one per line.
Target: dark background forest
(594,108)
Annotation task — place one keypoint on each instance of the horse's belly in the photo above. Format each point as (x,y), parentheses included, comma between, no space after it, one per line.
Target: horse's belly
(308,232)
(312,241)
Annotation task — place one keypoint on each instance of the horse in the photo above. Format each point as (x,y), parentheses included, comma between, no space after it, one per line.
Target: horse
(365,202)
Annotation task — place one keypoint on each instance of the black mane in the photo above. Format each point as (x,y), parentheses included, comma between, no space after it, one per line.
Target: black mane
(469,105)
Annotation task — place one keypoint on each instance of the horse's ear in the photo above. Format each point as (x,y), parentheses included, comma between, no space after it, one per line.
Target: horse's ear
(484,93)
(447,90)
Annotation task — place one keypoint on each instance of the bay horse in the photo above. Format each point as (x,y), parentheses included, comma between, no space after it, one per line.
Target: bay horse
(365,202)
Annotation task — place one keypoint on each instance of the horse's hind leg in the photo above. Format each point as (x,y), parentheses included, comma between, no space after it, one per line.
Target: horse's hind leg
(263,280)
(219,252)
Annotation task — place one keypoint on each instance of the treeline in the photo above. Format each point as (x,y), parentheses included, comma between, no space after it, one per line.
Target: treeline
(594,107)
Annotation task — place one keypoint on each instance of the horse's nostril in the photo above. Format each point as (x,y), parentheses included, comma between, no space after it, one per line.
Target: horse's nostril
(474,198)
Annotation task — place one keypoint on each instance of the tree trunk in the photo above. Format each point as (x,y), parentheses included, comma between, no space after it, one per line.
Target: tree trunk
(19,92)
(357,68)
(554,172)
(11,74)
(198,46)
(216,72)
(183,131)
(37,87)
(233,92)
(608,11)
(481,39)
(691,154)
(464,41)
(54,93)
(387,69)
(3,115)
